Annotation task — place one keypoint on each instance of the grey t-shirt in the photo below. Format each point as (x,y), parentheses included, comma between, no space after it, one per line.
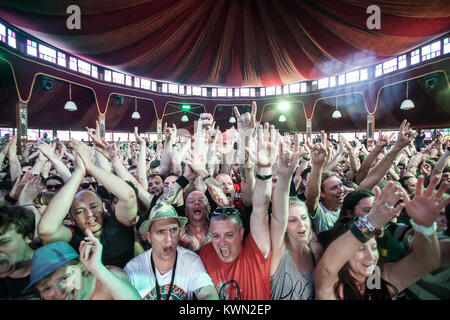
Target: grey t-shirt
(323,218)
(287,283)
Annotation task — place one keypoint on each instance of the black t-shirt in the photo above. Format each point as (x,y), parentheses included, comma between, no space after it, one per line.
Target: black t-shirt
(117,240)
(11,289)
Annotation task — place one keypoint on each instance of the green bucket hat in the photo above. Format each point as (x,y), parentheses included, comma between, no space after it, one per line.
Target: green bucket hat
(162,211)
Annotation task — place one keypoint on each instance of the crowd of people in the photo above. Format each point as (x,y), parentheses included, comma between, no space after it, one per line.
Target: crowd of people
(244,214)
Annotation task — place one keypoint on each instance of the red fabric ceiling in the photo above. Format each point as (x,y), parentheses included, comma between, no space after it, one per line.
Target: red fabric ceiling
(232,42)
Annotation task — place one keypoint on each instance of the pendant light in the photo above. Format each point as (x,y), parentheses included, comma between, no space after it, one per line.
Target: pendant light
(70,105)
(407,104)
(232,118)
(336,114)
(135,114)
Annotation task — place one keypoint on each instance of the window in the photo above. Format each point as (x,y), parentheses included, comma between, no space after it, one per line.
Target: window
(278,90)
(262,92)
(12,39)
(402,61)
(236,92)
(47,54)
(352,76)
(164,88)
(303,87)
(431,51)
(188,90)
(31,48)
(128,80)
(73,65)
(205,92)
(222,92)
(415,56)
(378,70)
(145,84)
(390,65)
(286,89)
(245,92)
(62,59)
(446,46)
(323,83)
(137,82)
(181,90)
(196,91)
(363,75)
(230,92)
(252,92)
(294,88)
(270,91)
(154,86)
(332,82)
(2,33)
(341,79)
(173,88)
(85,68)
(95,72)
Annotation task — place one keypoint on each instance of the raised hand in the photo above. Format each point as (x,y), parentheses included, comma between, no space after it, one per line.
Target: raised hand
(266,146)
(46,150)
(426,205)
(20,184)
(319,154)
(383,141)
(386,205)
(95,135)
(206,120)
(246,122)
(138,136)
(30,191)
(195,162)
(83,152)
(288,160)
(91,252)
(170,134)
(405,135)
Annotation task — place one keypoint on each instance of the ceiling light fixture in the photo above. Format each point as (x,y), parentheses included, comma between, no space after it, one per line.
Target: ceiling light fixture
(407,104)
(70,105)
(135,114)
(336,114)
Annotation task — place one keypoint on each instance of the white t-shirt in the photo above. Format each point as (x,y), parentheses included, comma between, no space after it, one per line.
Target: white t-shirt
(190,275)
(323,218)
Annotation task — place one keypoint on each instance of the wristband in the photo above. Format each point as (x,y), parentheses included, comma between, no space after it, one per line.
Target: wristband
(427,232)
(182,181)
(9,199)
(208,176)
(366,227)
(358,234)
(263,178)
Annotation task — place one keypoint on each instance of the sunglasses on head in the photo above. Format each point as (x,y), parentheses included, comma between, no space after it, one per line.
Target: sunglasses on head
(87,184)
(229,211)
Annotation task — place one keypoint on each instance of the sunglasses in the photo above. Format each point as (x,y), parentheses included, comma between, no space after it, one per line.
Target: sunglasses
(87,184)
(229,211)
(54,187)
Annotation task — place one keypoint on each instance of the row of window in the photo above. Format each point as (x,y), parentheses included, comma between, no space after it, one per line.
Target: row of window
(46,53)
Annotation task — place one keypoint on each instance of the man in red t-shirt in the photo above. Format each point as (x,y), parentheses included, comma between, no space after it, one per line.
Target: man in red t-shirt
(240,269)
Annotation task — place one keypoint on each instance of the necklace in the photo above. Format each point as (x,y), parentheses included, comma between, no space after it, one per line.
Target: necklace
(158,292)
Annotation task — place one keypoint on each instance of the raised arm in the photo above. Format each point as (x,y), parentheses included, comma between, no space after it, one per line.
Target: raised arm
(441,164)
(50,228)
(48,151)
(287,163)
(126,207)
(15,169)
(166,157)
(318,158)
(264,158)
(404,138)
(425,256)
(142,160)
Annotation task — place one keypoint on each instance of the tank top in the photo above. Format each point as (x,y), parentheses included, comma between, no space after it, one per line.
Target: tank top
(287,283)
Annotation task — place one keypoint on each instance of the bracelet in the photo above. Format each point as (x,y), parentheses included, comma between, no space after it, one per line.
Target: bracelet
(366,227)
(306,159)
(208,176)
(358,234)
(427,232)
(9,199)
(28,205)
(182,181)
(263,178)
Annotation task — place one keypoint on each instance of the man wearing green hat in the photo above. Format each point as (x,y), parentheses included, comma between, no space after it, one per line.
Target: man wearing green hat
(171,271)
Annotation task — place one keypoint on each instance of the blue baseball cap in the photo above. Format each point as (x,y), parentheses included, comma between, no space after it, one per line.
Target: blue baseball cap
(49,258)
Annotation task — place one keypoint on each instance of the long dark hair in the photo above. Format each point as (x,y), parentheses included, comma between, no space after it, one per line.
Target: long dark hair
(352,199)
(348,283)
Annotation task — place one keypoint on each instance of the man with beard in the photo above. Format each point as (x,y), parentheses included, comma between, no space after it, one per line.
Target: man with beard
(115,230)
(168,271)
(58,272)
(195,234)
